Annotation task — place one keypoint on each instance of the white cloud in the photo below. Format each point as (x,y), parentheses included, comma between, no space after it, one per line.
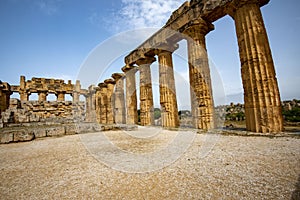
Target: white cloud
(137,14)
(48,7)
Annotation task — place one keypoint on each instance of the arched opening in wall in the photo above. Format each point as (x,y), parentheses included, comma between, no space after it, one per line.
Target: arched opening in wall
(68,97)
(33,97)
(82,98)
(15,95)
(51,97)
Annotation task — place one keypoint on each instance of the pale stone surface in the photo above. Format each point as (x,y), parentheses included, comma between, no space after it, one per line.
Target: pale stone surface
(235,168)
(55,131)
(22,136)
(6,137)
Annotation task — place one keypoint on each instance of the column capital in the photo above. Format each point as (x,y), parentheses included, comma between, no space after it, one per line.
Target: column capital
(145,60)
(110,81)
(102,85)
(196,27)
(117,76)
(236,4)
(128,68)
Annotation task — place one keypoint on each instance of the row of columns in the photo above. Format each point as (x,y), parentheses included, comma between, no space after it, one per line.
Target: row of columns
(261,93)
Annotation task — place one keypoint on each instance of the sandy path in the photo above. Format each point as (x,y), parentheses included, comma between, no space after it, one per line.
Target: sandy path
(235,168)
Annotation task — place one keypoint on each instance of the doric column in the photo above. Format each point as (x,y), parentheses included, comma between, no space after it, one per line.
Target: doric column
(202,103)
(168,101)
(90,104)
(110,89)
(146,95)
(119,100)
(42,95)
(87,108)
(23,93)
(98,103)
(60,96)
(261,94)
(5,93)
(131,99)
(103,103)
(76,92)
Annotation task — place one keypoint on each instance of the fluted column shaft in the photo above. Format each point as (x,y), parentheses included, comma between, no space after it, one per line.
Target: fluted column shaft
(119,99)
(202,103)
(23,94)
(88,108)
(76,92)
(168,101)
(98,104)
(131,99)
(146,94)
(261,94)
(60,96)
(110,89)
(42,95)
(103,103)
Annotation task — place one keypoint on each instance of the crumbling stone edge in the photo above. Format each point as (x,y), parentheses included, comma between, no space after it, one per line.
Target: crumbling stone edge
(29,133)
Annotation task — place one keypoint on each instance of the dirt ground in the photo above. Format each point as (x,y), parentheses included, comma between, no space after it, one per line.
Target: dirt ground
(151,164)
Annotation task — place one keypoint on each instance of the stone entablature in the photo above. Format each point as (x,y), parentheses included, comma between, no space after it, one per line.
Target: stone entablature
(45,86)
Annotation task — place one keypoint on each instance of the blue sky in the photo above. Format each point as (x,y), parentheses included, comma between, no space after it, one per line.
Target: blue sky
(56,38)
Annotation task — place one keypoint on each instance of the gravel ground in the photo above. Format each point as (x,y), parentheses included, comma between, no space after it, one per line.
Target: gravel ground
(151,164)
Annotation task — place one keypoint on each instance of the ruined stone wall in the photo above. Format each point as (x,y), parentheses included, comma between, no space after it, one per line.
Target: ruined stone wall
(48,111)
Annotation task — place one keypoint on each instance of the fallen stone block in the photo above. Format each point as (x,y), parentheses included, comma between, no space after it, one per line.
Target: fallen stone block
(39,133)
(55,131)
(23,135)
(6,138)
(71,130)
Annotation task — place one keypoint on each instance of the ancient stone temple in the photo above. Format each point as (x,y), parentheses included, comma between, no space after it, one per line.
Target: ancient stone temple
(192,22)
(114,101)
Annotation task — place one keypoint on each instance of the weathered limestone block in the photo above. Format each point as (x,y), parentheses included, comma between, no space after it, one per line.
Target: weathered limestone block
(146,95)
(6,137)
(23,135)
(71,129)
(55,131)
(39,133)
